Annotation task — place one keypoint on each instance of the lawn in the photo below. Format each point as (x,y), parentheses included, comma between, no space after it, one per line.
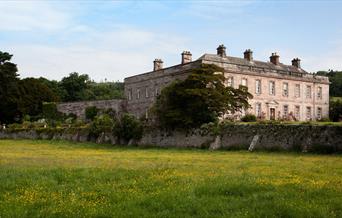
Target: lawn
(64,179)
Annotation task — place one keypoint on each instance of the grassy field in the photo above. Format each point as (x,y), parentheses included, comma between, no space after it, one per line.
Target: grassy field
(62,179)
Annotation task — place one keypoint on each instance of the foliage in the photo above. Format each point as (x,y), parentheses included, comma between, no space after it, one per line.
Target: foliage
(74,85)
(128,127)
(91,180)
(32,95)
(101,123)
(335,77)
(9,93)
(91,112)
(199,99)
(335,110)
(50,110)
(249,118)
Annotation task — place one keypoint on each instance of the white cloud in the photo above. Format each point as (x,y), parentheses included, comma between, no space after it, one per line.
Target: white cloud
(31,15)
(112,55)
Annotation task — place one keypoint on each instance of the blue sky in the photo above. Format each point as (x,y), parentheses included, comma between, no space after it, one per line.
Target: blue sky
(115,39)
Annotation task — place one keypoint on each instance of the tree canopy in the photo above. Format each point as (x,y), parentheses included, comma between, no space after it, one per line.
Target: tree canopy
(199,99)
(335,78)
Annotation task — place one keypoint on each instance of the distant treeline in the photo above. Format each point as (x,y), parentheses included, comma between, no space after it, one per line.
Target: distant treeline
(335,78)
(19,97)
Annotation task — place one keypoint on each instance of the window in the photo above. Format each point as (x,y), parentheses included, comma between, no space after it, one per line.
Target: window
(286,111)
(138,93)
(258,86)
(319,93)
(272,88)
(146,92)
(258,109)
(244,82)
(285,89)
(156,91)
(297,112)
(308,92)
(230,82)
(319,113)
(297,90)
(130,94)
(308,113)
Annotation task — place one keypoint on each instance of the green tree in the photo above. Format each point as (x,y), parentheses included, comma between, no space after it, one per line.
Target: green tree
(74,86)
(32,95)
(8,88)
(199,99)
(335,110)
(335,78)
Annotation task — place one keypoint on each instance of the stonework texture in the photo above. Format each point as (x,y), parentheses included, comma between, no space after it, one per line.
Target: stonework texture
(283,91)
(78,108)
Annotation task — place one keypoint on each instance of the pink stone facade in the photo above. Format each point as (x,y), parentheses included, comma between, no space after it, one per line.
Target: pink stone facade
(279,91)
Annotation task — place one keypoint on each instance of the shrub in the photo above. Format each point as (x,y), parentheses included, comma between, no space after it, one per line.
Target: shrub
(91,112)
(128,127)
(248,118)
(50,110)
(100,124)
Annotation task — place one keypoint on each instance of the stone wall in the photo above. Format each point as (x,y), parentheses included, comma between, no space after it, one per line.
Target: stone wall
(78,108)
(269,137)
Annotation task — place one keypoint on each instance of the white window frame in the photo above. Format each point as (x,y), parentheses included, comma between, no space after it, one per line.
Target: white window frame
(146,92)
(297,112)
(272,90)
(244,80)
(138,93)
(286,89)
(230,81)
(129,94)
(258,86)
(308,113)
(319,113)
(308,91)
(319,92)
(297,90)
(285,112)
(258,109)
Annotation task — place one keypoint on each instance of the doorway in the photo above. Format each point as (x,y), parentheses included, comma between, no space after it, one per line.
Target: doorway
(272,114)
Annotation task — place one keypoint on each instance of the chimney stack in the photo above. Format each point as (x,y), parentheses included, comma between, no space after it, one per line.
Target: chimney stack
(248,55)
(221,50)
(296,62)
(274,58)
(157,64)
(186,57)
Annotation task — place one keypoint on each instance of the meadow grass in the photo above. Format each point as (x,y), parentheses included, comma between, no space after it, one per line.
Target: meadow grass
(64,179)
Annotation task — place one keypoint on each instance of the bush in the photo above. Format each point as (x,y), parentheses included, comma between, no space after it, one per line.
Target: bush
(100,124)
(50,110)
(248,118)
(128,127)
(91,112)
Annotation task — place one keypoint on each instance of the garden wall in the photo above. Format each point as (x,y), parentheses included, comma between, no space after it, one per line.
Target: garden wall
(266,137)
(78,108)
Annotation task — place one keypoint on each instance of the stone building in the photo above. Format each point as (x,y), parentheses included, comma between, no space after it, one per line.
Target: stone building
(279,90)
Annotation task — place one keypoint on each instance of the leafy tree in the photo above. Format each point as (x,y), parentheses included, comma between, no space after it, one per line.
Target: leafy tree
(91,112)
(335,110)
(199,99)
(32,95)
(74,85)
(128,127)
(8,88)
(335,78)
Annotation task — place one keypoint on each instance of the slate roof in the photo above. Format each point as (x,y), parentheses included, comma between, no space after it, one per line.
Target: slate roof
(254,63)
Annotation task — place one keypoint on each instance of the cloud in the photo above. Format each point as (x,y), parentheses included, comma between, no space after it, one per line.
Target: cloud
(28,16)
(113,55)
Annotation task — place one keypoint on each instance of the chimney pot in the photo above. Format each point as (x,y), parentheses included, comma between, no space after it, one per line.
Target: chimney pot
(274,58)
(248,55)
(221,50)
(157,64)
(186,57)
(296,62)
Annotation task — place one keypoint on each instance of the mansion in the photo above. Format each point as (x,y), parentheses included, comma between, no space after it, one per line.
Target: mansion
(279,91)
